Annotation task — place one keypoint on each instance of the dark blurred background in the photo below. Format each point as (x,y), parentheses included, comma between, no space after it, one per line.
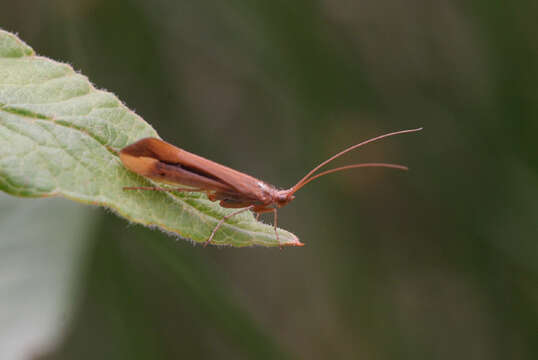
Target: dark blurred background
(439,262)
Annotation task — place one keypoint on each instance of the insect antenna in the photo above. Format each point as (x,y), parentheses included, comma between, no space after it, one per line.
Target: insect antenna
(308,177)
(347,167)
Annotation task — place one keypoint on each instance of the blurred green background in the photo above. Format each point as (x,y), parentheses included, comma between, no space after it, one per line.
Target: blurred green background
(439,262)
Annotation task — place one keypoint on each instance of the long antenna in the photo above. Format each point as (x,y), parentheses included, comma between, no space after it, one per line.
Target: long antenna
(303,181)
(347,167)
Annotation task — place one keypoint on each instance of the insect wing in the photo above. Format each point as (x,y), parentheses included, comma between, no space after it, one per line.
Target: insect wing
(164,162)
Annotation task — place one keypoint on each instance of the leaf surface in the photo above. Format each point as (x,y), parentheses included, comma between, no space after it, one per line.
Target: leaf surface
(59,136)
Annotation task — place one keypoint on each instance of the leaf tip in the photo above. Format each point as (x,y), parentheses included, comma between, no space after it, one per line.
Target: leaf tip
(295,243)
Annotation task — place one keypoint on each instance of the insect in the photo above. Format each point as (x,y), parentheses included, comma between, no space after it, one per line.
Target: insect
(166,163)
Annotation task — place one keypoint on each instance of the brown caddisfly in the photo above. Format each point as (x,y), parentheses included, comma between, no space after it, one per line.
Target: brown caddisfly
(166,163)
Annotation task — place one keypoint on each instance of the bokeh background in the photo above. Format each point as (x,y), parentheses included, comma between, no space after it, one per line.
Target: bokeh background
(440,262)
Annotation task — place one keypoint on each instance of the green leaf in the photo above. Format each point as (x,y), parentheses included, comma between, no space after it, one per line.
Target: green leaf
(59,136)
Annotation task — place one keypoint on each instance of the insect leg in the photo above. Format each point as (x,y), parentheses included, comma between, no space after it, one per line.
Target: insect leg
(224,218)
(275,222)
(152,188)
(262,209)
